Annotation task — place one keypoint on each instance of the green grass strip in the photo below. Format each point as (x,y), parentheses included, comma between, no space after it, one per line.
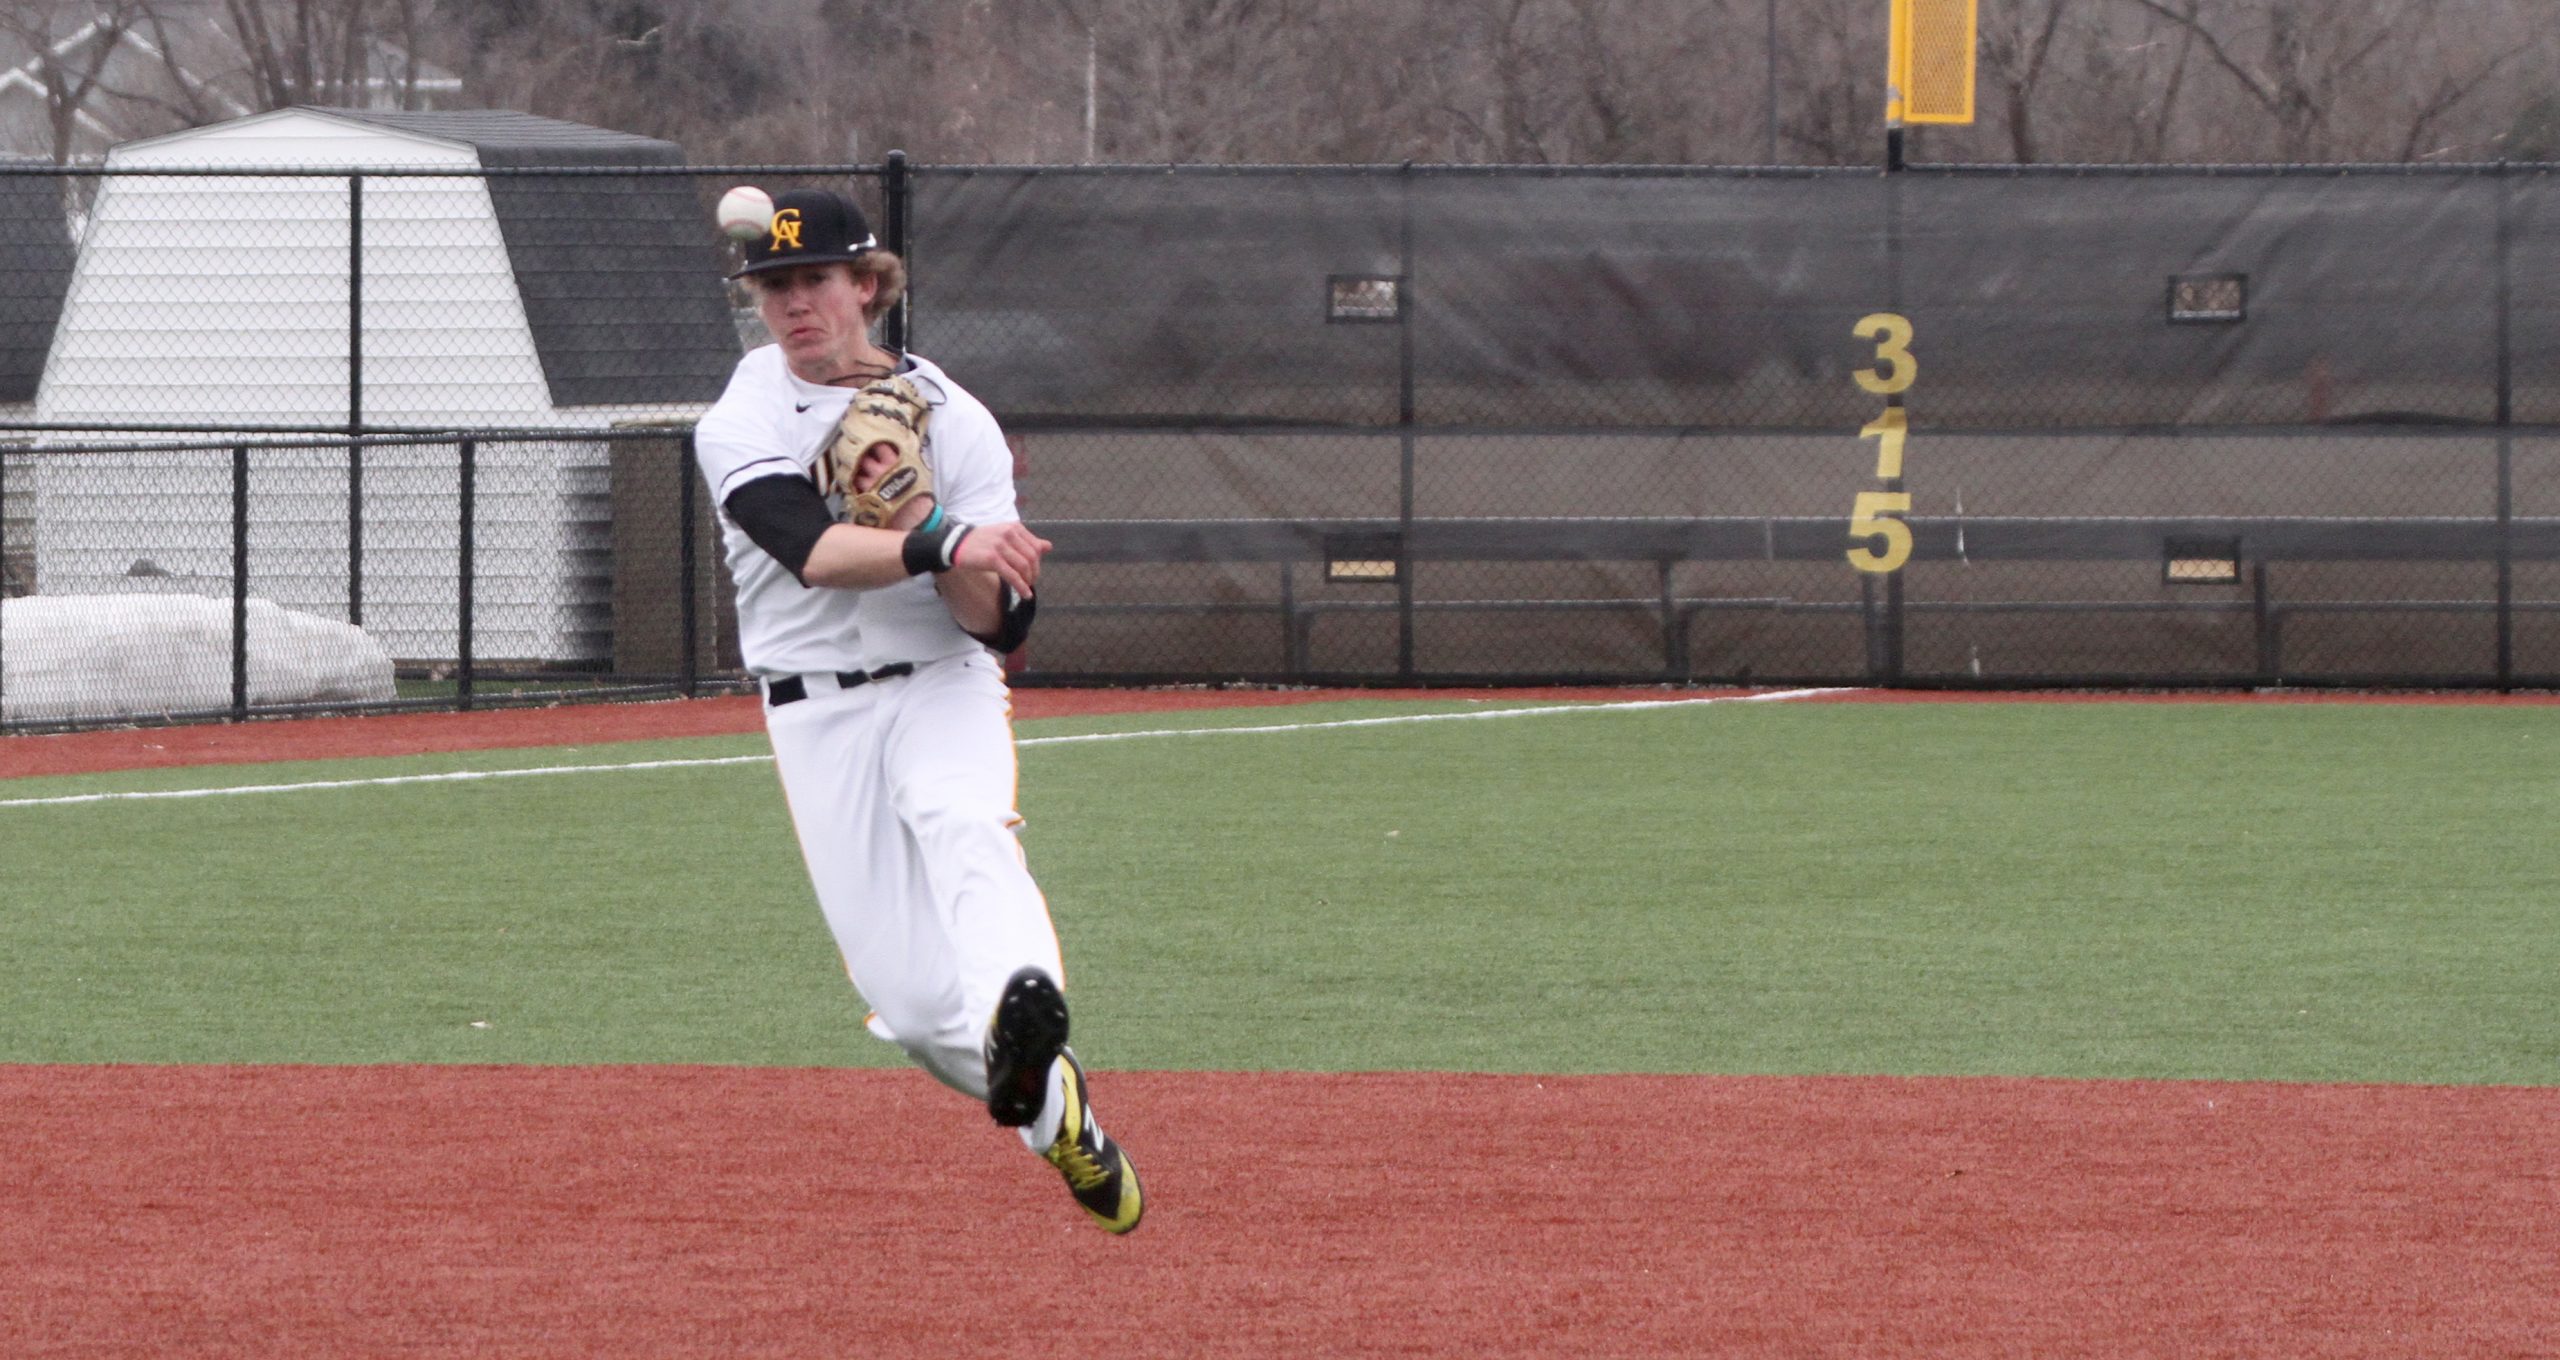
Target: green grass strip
(2297,893)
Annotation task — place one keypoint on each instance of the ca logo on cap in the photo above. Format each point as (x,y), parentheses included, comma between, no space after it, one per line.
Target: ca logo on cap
(786,230)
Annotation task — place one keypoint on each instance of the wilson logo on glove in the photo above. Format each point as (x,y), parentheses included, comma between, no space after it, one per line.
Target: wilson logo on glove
(898,484)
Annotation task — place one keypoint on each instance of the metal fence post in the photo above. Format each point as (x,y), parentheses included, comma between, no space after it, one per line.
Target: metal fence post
(687,568)
(1669,604)
(469,474)
(894,194)
(355,399)
(2267,625)
(1772,35)
(1291,659)
(1404,424)
(1868,627)
(1888,661)
(4,576)
(2506,436)
(239,582)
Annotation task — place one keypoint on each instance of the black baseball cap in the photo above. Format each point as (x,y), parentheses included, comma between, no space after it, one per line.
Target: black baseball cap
(810,226)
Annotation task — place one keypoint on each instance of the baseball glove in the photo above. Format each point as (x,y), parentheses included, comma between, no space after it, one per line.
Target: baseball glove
(887,411)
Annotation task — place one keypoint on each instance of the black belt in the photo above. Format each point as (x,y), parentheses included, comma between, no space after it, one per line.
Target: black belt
(791,689)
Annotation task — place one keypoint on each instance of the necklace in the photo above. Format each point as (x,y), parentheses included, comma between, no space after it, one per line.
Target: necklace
(866,373)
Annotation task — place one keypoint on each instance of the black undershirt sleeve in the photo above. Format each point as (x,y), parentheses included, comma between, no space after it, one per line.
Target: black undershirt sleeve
(785,516)
(1013,625)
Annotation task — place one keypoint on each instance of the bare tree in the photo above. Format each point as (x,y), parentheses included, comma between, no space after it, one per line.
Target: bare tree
(72,43)
(728,84)
(1538,81)
(186,96)
(2305,60)
(2152,135)
(2454,70)
(287,52)
(1199,78)
(1484,87)
(1835,117)
(2017,41)
(1635,68)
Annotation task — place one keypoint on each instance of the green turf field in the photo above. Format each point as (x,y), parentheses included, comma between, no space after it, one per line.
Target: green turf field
(2289,892)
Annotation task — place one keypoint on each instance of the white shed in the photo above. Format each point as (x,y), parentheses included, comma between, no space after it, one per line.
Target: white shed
(514,301)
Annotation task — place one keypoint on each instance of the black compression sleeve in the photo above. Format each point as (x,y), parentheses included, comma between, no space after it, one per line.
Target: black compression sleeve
(1013,624)
(785,516)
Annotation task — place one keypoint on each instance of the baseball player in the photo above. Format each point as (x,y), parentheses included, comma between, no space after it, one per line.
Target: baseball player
(868,516)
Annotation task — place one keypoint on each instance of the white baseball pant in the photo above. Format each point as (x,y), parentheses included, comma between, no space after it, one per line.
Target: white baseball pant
(902,793)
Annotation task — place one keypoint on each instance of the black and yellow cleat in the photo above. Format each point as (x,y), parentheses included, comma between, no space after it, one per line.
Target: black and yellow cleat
(1098,1173)
(1026,1034)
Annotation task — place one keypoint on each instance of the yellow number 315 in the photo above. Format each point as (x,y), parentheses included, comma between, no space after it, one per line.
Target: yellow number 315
(1892,335)
(1873,517)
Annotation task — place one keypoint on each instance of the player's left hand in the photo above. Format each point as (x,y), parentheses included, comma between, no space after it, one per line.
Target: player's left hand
(885,414)
(875,464)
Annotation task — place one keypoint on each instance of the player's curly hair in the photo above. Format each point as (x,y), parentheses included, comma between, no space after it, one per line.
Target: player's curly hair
(883,264)
(892,273)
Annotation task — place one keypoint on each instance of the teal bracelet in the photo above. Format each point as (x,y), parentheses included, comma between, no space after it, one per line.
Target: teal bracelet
(932,521)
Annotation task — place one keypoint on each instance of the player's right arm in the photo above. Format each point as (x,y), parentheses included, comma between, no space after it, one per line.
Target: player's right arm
(743,447)
(789,520)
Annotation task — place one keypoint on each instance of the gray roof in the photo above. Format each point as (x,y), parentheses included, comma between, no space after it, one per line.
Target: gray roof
(621,274)
(506,137)
(35,272)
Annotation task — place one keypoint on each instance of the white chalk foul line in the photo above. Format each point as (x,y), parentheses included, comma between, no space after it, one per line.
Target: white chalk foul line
(1404,718)
(385,781)
(466,776)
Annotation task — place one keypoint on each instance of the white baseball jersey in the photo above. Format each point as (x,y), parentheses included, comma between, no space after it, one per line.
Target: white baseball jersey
(900,789)
(769,422)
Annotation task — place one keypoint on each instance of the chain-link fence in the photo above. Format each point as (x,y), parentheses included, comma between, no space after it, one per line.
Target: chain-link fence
(191,579)
(1367,425)
(2079,427)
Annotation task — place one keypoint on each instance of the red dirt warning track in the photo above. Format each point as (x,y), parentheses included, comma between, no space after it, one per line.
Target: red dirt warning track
(402,734)
(680,1212)
(409,734)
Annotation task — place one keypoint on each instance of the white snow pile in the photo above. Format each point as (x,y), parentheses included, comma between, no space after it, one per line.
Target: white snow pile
(102,657)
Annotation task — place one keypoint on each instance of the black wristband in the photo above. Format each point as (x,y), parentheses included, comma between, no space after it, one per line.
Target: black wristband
(933,549)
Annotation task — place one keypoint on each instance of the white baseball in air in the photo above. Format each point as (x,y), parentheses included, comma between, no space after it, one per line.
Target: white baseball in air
(746,212)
